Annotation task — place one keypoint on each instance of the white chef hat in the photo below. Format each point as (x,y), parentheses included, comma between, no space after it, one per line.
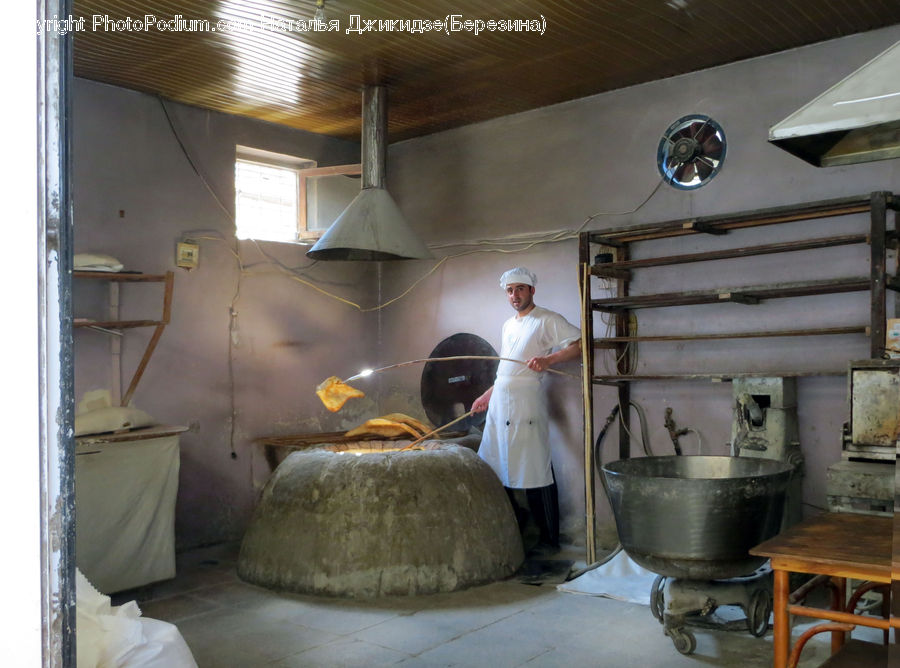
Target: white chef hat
(518,275)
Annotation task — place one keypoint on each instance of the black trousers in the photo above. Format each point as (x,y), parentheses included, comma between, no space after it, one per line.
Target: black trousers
(543,503)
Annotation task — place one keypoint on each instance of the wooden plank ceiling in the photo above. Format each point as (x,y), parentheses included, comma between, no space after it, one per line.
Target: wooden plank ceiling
(436,80)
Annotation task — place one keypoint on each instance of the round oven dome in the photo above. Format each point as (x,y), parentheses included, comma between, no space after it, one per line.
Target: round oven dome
(380,521)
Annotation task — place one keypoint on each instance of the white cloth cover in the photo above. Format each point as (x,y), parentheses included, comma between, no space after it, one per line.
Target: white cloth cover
(112,418)
(118,637)
(125,511)
(96,262)
(516,432)
(619,578)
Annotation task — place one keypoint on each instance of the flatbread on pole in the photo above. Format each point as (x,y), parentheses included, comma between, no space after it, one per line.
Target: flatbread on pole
(334,393)
(382,428)
(419,426)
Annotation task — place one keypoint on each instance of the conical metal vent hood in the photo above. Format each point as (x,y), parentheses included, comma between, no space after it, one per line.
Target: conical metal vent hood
(372,226)
(856,120)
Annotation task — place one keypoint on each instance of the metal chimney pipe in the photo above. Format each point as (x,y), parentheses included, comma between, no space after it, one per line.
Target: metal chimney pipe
(372,226)
(374,136)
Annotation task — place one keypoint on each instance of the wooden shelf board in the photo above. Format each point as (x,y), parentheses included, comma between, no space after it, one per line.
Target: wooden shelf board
(714,377)
(768,216)
(862,329)
(619,269)
(117,324)
(120,276)
(736,294)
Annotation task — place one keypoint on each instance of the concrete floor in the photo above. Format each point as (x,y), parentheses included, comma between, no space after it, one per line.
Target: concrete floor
(227,622)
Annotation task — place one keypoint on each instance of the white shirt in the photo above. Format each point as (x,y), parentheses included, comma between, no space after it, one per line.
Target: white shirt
(533,335)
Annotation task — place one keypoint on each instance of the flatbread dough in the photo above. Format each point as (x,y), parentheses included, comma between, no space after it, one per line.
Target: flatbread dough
(420,427)
(334,393)
(382,428)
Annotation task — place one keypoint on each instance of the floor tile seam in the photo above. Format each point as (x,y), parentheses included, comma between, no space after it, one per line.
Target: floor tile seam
(184,592)
(406,655)
(316,645)
(191,595)
(187,618)
(550,590)
(304,650)
(349,634)
(255,613)
(459,635)
(205,594)
(535,657)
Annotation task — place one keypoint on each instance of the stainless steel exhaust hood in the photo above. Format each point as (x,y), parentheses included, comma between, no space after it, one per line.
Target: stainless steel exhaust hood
(372,226)
(857,120)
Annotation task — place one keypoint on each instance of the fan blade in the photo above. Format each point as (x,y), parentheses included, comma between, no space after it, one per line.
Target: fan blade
(684,173)
(709,161)
(712,147)
(705,133)
(703,169)
(697,128)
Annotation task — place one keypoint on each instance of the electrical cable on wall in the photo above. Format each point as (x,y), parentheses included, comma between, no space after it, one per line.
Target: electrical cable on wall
(526,242)
(547,237)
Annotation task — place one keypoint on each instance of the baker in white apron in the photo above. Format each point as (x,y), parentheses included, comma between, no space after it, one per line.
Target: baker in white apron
(516,442)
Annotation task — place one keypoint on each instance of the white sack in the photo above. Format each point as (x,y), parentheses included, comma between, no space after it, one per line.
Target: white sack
(118,637)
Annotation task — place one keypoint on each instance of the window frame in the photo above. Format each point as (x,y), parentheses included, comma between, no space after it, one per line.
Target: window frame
(303,231)
(304,168)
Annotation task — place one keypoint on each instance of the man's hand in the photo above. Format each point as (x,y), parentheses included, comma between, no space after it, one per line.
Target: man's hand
(481,403)
(538,363)
(544,362)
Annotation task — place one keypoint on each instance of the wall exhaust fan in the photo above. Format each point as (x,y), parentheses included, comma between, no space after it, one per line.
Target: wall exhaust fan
(691,151)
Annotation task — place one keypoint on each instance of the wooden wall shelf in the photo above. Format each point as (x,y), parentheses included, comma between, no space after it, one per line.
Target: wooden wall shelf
(740,295)
(114,278)
(620,270)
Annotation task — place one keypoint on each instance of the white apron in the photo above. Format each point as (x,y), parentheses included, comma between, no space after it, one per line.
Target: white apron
(516,439)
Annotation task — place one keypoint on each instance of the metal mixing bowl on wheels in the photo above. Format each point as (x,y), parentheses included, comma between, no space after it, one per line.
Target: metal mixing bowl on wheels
(695,519)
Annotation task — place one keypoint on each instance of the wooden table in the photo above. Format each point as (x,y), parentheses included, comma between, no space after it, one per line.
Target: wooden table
(839,545)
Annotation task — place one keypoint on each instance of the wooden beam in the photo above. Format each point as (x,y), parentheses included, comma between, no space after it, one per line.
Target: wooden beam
(611,340)
(624,380)
(705,228)
(739,298)
(136,378)
(694,297)
(587,370)
(115,324)
(878,267)
(754,218)
(121,276)
(731,253)
(618,274)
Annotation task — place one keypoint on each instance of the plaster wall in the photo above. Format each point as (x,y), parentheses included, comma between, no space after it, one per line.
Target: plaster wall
(230,379)
(559,168)
(578,165)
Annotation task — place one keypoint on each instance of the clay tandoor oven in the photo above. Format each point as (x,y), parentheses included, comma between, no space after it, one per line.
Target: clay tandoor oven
(369,519)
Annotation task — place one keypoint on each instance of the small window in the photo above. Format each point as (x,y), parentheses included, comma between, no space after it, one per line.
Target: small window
(284,198)
(266,205)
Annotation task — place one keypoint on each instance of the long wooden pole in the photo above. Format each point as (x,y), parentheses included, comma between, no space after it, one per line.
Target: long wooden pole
(434,431)
(587,349)
(363,374)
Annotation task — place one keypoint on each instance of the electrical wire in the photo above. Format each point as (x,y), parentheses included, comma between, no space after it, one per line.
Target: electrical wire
(525,243)
(522,243)
(549,237)
(689,430)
